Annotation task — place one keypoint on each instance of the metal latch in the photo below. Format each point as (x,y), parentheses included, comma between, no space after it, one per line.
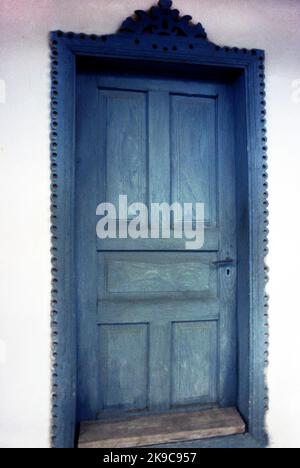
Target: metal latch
(225,262)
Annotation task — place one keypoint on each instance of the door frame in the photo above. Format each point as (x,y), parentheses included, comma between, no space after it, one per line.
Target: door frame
(186,46)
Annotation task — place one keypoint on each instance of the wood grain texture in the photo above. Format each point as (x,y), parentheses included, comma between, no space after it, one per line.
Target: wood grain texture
(160,273)
(194,362)
(239,441)
(125,146)
(159,429)
(124,366)
(194,136)
(86,290)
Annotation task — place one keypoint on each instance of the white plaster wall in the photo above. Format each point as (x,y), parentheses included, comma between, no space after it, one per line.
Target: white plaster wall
(24,193)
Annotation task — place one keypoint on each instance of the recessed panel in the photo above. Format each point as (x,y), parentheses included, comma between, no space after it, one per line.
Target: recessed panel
(124,366)
(153,273)
(193,129)
(194,362)
(157,273)
(126,146)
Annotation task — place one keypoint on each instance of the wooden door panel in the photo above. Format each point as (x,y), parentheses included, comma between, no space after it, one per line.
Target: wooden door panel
(128,351)
(194,362)
(154,275)
(124,145)
(166,292)
(124,366)
(194,162)
(156,325)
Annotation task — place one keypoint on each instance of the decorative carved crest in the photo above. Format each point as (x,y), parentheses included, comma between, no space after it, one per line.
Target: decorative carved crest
(164,21)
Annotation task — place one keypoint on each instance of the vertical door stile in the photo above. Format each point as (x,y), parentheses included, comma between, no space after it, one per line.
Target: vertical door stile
(87,156)
(159,147)
(159,191)
(227,274)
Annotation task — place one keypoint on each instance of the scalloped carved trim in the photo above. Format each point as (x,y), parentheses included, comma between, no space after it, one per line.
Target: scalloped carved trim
(54,239)
(163,21)
(264,148)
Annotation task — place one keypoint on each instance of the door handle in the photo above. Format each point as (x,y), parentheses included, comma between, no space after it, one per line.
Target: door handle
(225,262)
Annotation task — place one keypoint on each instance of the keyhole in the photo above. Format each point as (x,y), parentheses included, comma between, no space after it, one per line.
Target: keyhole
(228,272)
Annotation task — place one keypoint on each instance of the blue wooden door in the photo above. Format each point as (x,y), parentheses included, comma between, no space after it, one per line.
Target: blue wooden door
(156,322)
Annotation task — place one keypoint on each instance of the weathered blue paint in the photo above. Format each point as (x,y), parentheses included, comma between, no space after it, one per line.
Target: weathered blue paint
(176,53)
(164,334)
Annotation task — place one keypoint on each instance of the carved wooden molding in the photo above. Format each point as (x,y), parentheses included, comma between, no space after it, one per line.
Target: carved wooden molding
(163,21)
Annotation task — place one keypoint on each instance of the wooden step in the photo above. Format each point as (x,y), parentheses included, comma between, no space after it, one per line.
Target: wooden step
(161,429)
